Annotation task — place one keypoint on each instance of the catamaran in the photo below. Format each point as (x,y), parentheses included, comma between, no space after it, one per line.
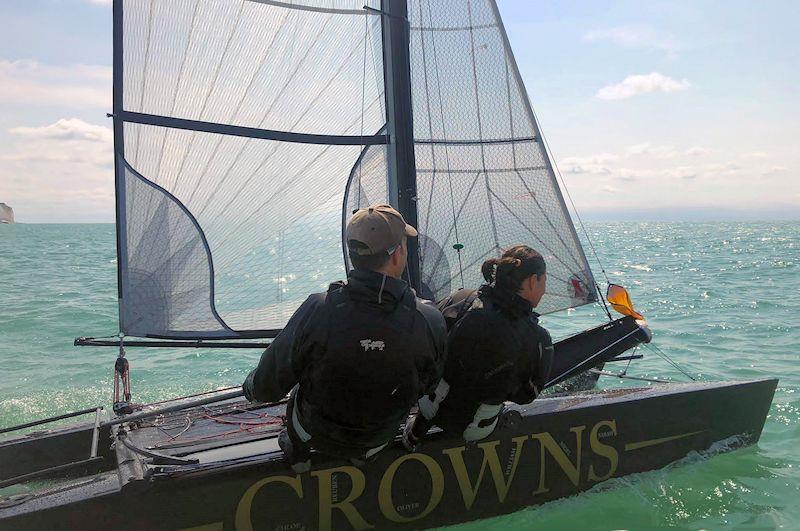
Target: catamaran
(246,132)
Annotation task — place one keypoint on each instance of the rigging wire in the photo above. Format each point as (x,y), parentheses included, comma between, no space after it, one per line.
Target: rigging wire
(549,150)
(652,347)
(663,355)
(363,99)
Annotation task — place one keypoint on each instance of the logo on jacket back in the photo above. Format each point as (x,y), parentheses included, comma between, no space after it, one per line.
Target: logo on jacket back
(369,344)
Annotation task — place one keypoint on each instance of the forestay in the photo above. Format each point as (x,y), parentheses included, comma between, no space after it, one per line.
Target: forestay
(484,179)
(237,124)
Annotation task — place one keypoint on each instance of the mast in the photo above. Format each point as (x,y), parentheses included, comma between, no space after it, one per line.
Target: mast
(119,144)
(402,178)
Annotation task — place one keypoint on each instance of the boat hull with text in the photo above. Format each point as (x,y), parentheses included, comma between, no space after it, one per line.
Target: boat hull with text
(549,449)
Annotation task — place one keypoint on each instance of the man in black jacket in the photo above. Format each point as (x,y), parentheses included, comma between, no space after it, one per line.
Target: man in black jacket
(357,357)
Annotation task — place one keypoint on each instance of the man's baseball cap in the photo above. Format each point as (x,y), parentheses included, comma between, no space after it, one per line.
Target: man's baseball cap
(378,228)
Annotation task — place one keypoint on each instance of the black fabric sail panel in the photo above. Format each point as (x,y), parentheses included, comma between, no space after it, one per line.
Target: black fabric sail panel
(484,181)
(223,235)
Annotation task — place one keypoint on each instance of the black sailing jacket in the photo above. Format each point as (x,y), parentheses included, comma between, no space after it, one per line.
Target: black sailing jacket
(497,352)
(363,353)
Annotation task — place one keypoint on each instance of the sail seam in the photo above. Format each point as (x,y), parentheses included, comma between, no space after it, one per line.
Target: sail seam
(446,150)
(251,132)
(480,125)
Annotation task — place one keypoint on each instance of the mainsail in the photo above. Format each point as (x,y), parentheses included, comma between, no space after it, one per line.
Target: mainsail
(244,129)
(236,126)
(484,179)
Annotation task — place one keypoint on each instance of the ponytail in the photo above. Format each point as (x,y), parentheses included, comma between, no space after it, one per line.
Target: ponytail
(514,266)
(488,269)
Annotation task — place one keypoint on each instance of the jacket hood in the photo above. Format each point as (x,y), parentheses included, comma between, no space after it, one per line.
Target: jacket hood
(376,289)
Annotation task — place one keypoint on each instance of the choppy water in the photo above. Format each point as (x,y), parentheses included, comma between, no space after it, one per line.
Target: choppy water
(723,300)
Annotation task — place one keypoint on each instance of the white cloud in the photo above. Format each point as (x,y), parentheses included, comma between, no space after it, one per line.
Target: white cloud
(635,37)
(682,172)
(62,171)
(70,141)
(67,129)
(650,150)
(28,82)
(641,84)
(595,164)
(698,151)
(775,170)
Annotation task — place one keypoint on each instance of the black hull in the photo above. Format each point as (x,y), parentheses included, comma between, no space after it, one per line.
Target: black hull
(552,448)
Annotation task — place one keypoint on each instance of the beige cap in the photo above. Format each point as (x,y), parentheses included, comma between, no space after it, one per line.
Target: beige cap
(379,228)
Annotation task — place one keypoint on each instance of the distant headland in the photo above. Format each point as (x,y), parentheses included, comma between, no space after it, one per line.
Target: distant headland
(6,213)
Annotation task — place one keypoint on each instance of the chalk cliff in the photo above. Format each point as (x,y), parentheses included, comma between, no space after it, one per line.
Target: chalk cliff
(6,213)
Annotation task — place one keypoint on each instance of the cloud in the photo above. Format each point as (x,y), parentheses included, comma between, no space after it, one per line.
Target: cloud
(67,129)
(641,84)
(28,82)
(635,36)
(595,164)
(688,173)
(775,170)
(61,172)
(70,140)
(650,150)
(698,151)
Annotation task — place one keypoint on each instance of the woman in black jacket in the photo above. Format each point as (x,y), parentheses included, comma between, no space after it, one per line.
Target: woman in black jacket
(497,351)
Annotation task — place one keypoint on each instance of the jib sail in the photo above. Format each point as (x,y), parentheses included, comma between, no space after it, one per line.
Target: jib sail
(484,181)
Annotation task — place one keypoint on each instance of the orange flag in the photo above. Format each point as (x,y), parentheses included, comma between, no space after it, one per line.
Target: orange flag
(619,299)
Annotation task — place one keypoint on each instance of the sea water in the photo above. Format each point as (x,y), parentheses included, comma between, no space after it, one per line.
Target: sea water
(723,301)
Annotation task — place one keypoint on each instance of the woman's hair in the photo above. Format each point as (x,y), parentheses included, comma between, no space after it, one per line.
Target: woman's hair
(515,265)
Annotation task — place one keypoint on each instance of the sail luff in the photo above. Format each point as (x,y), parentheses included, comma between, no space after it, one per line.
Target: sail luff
(538,135)
(400,123)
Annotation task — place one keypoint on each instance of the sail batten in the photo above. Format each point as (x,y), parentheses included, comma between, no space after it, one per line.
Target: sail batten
(252,132)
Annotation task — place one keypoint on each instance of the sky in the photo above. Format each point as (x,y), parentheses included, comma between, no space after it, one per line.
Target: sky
(652,109)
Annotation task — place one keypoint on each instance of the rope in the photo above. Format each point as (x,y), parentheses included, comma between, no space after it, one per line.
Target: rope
(633,353)
(669,360)
(190,396)
(244,426)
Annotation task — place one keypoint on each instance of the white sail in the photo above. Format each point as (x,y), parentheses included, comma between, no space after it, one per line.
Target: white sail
(484,180)
(237,124)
